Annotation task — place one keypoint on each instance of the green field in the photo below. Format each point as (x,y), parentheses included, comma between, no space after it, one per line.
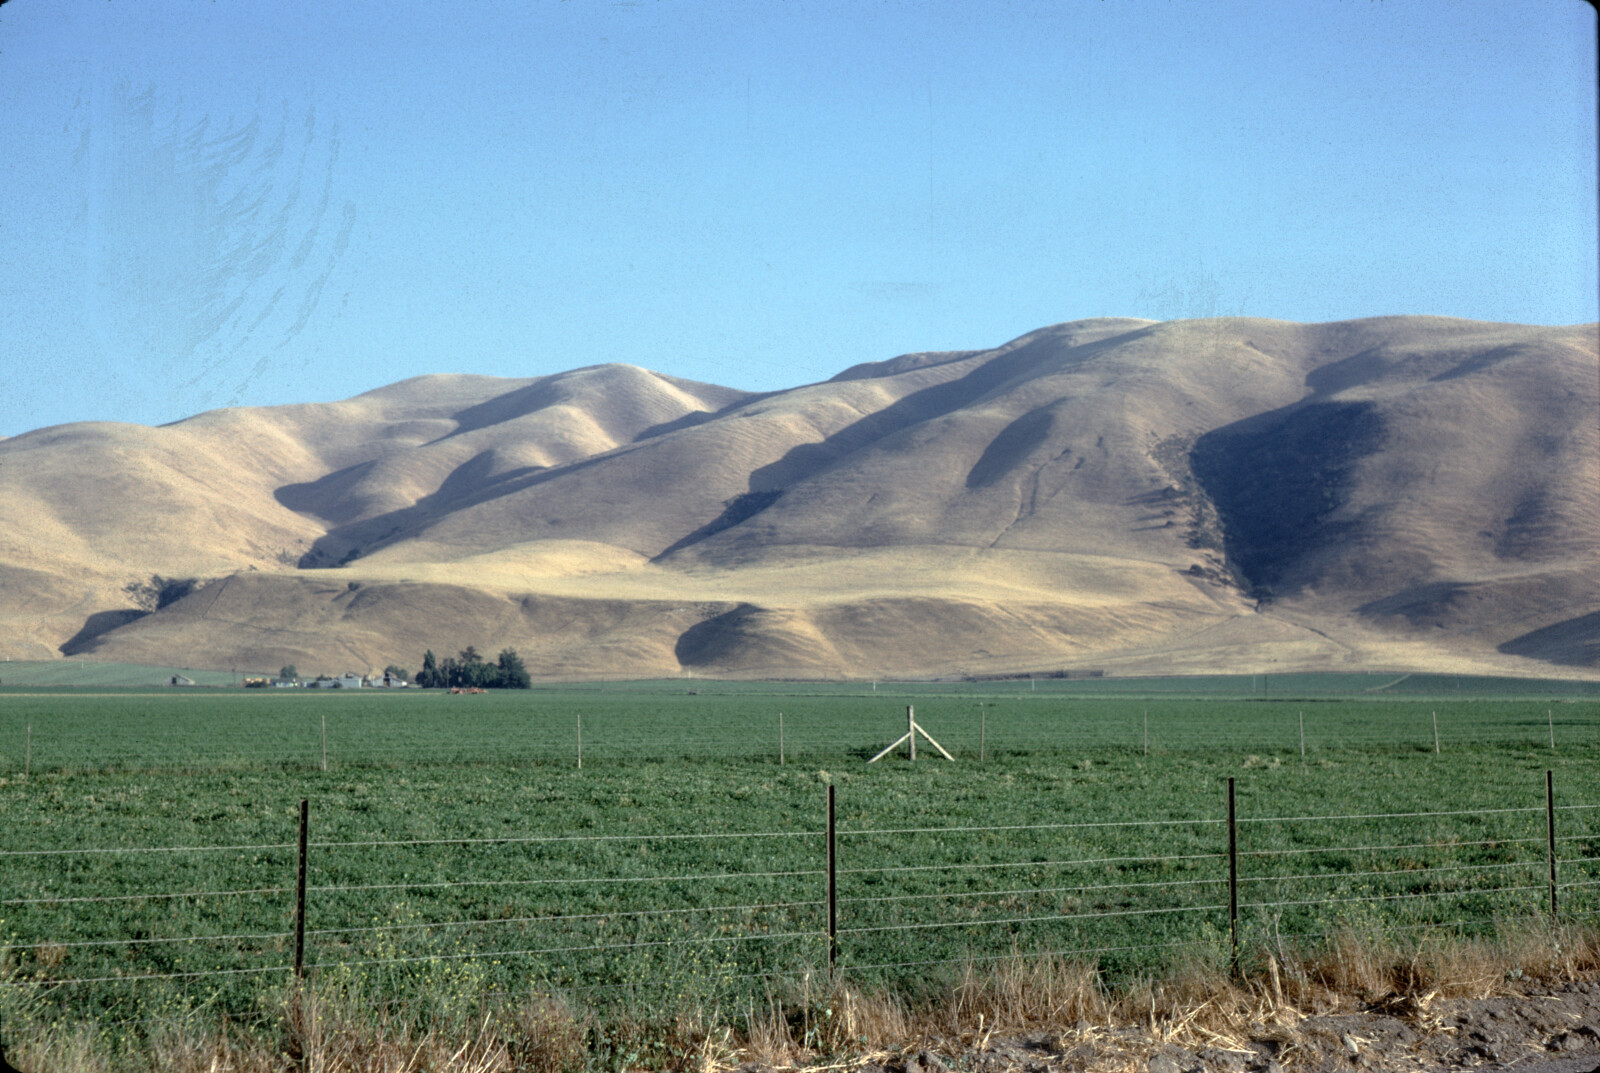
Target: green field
(206,728)
(59,673)
(457,849)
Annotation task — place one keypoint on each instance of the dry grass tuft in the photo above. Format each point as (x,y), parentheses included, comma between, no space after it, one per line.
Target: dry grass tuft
(1020,994)
(1394,974)
(320,1037)
(837,1026)
(550,1036)
(74,1050)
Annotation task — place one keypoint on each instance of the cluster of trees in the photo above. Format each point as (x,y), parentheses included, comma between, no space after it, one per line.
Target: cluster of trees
(468,669)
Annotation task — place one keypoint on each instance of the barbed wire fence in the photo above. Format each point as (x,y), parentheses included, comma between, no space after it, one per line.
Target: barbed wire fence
(711,914)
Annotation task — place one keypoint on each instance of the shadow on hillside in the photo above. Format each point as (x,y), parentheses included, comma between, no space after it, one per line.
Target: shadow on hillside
(808,460)
(1430,604)
(328,497)
(1015,443)
(688,420)
(549,392)
(716,639)
(97,625)
(738,509)
(1276,478)
(502,408)
(1573,643)
(470,485)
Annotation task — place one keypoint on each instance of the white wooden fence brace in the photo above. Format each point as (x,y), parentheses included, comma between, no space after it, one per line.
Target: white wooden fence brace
(910,738)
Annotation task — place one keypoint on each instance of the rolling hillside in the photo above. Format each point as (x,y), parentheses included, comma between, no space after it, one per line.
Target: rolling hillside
(1403,492)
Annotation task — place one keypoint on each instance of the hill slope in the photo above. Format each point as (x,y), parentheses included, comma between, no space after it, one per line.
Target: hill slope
(1408,492)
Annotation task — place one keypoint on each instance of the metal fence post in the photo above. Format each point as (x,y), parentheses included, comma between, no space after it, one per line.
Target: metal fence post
(300,896)
(833,890)
(1550,832)
(1233,883)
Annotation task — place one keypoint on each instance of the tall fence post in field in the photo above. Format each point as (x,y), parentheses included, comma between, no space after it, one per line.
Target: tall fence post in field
(580,741)
(911,731)
(1552,720)
(780,739)
(1147,732)
(300,896)
(324,741)
(1435,733)
(1550,836)
(27,752)
(1233,884)
(833,890)
(1302,735)
(983,726)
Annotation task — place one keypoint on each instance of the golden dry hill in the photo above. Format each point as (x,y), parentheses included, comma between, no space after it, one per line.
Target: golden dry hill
(1234,495)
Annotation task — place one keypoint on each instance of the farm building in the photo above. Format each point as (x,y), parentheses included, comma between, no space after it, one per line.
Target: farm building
(347,680)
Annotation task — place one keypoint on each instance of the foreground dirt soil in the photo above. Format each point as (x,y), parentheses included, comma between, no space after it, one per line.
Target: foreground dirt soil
(1539,1030)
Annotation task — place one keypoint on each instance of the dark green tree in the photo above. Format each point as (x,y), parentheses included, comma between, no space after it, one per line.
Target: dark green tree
(470,670)
(479,674)
(288,672)
(512,673)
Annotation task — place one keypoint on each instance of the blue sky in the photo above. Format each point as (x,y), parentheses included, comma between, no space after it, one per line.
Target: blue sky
(236,203)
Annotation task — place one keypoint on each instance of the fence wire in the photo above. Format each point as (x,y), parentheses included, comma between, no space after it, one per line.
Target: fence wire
(602,926)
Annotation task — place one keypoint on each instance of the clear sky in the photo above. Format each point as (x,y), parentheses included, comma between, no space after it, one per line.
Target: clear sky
(245,203)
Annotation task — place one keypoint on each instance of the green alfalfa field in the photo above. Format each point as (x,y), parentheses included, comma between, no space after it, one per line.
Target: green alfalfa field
(458,850)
